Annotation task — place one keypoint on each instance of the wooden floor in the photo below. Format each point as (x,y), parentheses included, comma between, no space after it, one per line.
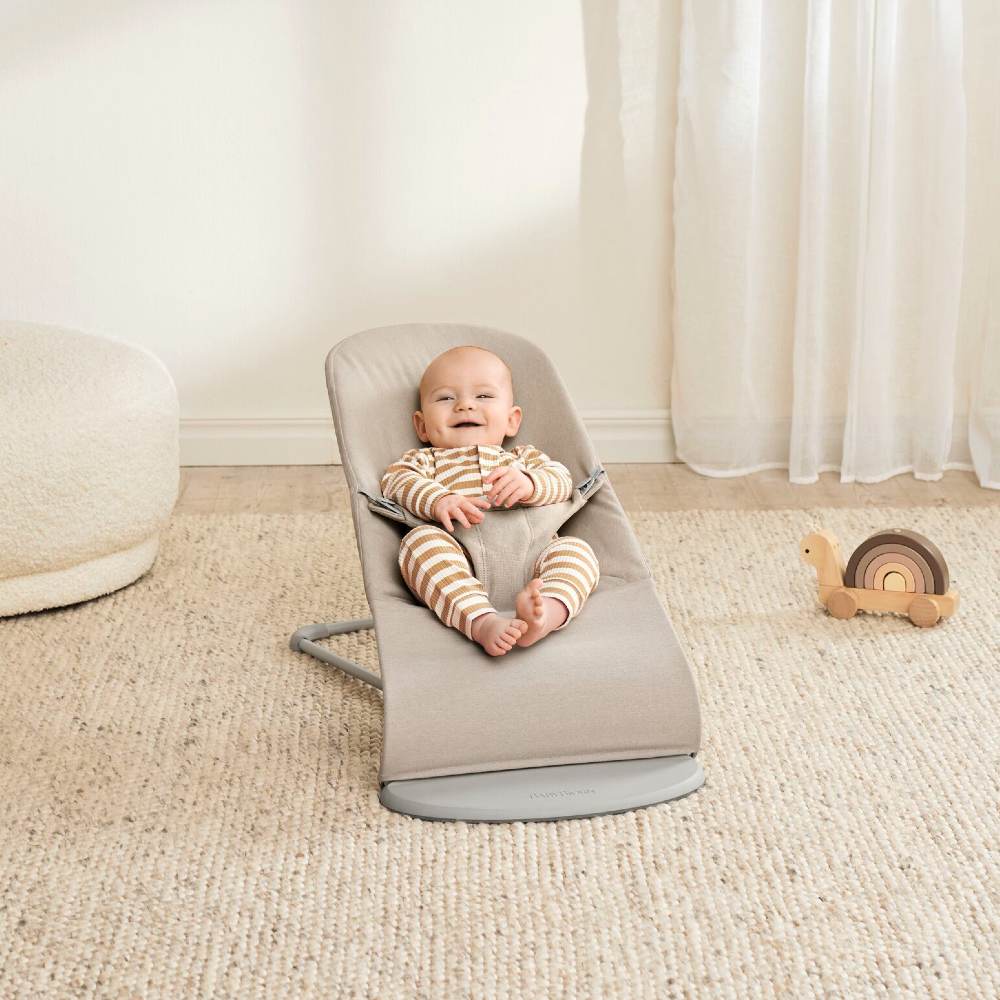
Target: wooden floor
(300,488)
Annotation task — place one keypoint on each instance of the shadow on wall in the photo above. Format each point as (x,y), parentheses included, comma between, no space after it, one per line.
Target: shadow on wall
(587,262)
(627,167)
(373,260)
(35,34)
(597,260)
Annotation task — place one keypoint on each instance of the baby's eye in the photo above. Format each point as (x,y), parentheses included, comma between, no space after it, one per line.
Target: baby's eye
(486,395)
(442,399)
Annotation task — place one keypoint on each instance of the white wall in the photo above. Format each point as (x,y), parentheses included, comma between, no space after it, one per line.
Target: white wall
(239,184)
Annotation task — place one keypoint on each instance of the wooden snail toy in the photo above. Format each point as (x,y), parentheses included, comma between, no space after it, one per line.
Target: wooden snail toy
(895,570)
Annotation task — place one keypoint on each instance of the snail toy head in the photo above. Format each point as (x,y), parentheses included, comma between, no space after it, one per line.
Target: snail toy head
(822,550)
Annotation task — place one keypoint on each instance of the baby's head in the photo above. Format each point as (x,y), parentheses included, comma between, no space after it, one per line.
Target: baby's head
(466,398)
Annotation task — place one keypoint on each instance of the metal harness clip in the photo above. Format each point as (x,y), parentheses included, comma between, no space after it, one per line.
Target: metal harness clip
(590,484)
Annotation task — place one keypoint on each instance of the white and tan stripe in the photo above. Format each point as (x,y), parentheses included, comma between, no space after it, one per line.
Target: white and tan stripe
(429,557)
(552,480)
(438,574)
(423,475)
(569,571)
(409,482)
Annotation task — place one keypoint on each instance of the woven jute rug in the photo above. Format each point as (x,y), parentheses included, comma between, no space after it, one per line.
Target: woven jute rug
(189,809)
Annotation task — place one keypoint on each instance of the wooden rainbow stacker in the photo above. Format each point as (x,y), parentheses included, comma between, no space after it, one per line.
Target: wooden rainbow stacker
(895,570)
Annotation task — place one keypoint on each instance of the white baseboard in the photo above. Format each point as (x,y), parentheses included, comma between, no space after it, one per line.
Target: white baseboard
(631,435)
(618,435)
(252,441)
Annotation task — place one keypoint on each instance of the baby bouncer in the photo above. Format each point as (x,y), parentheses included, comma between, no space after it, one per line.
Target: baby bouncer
(600,717)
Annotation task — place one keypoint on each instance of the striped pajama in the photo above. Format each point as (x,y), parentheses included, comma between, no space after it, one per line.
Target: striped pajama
(438,573)
(435,566)
(423,475)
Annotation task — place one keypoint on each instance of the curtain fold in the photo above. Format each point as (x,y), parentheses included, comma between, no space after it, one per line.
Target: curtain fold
(833,268)
(980,304)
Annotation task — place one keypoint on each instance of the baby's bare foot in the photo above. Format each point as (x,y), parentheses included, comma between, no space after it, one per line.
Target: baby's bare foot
(497,635)
(542,614)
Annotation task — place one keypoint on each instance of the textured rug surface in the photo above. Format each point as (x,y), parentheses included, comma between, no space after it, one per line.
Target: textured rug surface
(190,808)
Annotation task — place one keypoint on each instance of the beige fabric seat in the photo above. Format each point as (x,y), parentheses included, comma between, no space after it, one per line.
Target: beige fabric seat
(613,686)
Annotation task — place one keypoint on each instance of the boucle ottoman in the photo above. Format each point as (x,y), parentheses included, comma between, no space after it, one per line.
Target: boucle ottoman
(88,464)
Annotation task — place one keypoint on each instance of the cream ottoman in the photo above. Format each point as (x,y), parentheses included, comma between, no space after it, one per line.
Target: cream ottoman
(88,464)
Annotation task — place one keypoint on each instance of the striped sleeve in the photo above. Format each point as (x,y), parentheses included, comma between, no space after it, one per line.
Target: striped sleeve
(552,480)
(408,482)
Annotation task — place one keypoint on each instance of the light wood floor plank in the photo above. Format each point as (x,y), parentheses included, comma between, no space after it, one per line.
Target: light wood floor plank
(641,487)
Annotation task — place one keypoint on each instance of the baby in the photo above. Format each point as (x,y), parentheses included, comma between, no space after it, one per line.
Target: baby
(466,410)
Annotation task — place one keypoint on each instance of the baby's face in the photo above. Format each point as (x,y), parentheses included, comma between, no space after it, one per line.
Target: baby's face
(466,399)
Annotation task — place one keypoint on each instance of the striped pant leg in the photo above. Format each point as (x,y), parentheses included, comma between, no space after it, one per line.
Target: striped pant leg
(569,572)
(438,573)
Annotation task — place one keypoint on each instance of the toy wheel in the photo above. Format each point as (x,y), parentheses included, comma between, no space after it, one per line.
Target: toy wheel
(923,611)
(842,604)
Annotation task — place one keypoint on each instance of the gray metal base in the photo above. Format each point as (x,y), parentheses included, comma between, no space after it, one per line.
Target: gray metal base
(303,641)
(562,791)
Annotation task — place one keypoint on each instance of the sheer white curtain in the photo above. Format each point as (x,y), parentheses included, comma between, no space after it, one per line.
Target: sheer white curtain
(836,225)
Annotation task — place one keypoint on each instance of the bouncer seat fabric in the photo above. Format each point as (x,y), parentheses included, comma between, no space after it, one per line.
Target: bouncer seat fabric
(88,464)
(614,686)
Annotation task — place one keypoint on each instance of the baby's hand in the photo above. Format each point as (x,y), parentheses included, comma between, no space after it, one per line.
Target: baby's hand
(454,505)
(508,486)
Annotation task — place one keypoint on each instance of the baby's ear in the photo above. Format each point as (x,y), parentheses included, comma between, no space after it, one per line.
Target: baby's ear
(514,421)
(418,426)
